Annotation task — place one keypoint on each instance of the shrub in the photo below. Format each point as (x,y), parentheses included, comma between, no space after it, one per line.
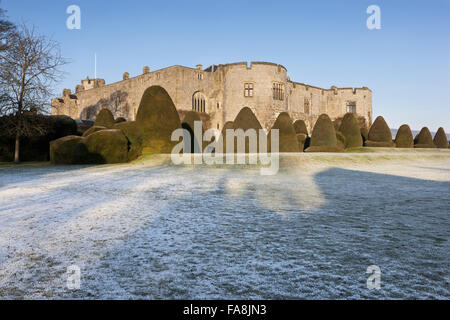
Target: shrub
(120,119)
(341,140)
(37,146)
(61,150)
(287,137)
(104,119)
(424,139)
(364,134)
(300,127)
(301,139)
(106,146)
(158,118)
(93,129)
(245,120)
(440,139)
(404,137)
(134,134)
(351,131)
(379,134)
(323,138)
(189,124)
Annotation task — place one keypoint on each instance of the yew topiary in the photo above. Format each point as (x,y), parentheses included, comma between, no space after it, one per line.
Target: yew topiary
(301,139)
(404,137)
(351,131)
(341,140)
(286,133)
(158,118)
(104,119)
(106,146)
(379,134)
(323,138)
(61,150)
(93,129)
(246,120)
(424,139)
(300,127)
(440,139)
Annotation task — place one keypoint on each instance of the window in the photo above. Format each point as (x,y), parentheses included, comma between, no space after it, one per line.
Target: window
(198,102)
(218,105)
(278,91)
(306,106)
(248,90)
(200,76)
(351,107)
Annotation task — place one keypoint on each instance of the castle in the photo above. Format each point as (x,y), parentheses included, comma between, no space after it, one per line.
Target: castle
(217,94)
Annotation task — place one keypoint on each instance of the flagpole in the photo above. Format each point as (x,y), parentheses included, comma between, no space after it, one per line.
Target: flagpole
(95,65)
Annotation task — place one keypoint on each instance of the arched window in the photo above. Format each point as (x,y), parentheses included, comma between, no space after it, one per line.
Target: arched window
(199,102)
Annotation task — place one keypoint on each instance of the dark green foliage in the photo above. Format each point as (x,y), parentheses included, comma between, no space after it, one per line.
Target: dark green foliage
(84,125)
(106,146)
(440,139)
(379,134)
(245,120)
(424,139)
(323,138)
(301,139)
(287,137)
(35,147)
(61,150)
(351,131)
(120,119)
(404,137)
(104,119)
(341,140)
(158,118)
(134,134)
(300,127)
(93,129)
(188,124)
(337,123)
(364,134)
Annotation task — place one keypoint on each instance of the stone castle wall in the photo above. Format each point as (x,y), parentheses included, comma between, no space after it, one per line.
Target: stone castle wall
(222,87)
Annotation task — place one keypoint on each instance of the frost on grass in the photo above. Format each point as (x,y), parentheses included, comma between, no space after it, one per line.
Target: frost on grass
(146,231)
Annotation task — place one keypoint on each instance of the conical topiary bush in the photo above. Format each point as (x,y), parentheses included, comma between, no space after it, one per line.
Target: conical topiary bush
(379,134)
(440,139)
(323,137)
(246,120)
(404,137)
(286,133)
(104,119)
(301,139)
(364,134)
(158,118)
(341,140)
(351,131)
(424,139)
(189,124)
(300,127)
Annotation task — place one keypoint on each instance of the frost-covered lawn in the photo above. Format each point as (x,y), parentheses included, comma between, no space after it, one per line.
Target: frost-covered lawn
(152,230)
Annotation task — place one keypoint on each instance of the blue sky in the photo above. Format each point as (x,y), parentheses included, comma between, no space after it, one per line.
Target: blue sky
(322,43)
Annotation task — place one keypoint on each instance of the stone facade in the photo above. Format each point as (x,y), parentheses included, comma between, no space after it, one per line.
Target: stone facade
(218,93)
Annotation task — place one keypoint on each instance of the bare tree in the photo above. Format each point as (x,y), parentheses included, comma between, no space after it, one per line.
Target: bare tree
(29,67)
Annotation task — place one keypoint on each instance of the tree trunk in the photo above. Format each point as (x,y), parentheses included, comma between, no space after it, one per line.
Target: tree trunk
(17,149)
